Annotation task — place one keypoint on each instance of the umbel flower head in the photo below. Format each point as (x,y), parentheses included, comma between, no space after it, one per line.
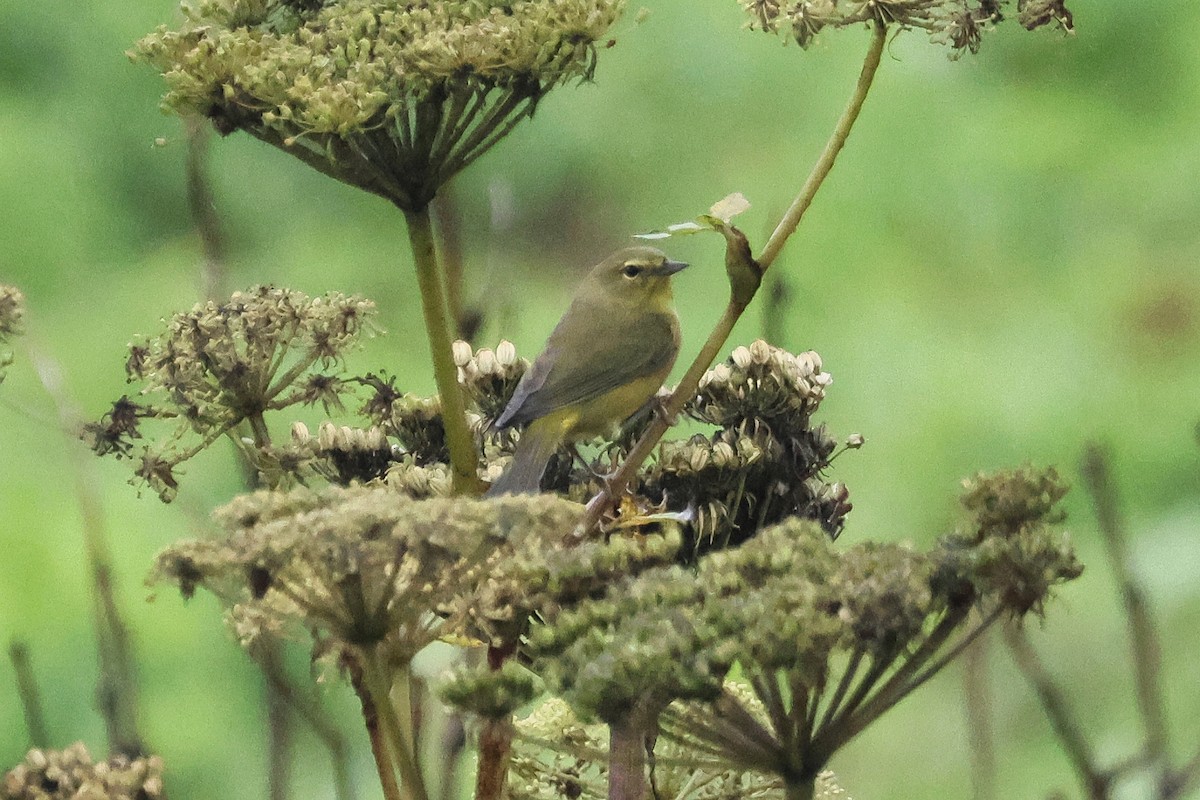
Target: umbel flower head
(12,313)
(363,566)
(393,97)
(70,774)
(220,366)
(960,24)
(763,464)
(827,639)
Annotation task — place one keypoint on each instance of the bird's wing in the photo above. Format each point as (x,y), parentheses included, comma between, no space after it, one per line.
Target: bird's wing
(555,380)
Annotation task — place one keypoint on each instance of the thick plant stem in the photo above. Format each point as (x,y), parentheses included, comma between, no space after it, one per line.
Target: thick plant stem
(400,745)
(495,748)
(791,219)
(801,789)
(383,763)
(627,760)
(438,326)
(720,334)
(495,740)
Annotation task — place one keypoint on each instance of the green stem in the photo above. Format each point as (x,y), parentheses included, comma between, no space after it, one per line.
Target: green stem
(791,219)
(437,326)
(720,334)
(446,216)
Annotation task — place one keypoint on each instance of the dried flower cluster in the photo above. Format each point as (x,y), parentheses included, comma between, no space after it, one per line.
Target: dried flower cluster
(393,97)
(828,639)
(219,369)
(340,454)
(722,557)
(363,567)
(763,463)
(70,774)
(960,24)
(12,314)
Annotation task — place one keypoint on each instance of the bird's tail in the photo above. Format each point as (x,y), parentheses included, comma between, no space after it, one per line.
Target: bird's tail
(524,475)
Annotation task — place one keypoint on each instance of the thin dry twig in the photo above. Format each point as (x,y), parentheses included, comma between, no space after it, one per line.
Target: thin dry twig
(977,688)
(203,209)
(117,690)
(1146,651)
(1096,781)
(31,698)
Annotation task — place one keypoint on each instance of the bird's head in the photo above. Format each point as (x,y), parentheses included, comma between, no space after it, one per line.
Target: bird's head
(636,275)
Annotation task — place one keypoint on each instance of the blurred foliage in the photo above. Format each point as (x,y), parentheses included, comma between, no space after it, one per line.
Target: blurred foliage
(1002,266)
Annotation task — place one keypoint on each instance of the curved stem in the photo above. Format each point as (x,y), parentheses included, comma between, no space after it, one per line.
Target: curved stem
(117,690)
(720,334)
(307,708)
(438,326)
(791,219)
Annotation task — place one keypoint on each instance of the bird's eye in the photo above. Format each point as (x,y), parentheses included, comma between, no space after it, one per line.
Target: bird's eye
(631,271)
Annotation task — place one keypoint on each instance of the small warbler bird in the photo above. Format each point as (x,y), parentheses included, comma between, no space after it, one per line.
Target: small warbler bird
(608,355)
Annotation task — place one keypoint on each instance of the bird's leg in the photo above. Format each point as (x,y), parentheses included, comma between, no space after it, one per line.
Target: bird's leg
(658,404)
(583,462)
(604,477)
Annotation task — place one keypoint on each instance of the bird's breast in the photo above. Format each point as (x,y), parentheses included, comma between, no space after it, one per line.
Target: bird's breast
(596,417)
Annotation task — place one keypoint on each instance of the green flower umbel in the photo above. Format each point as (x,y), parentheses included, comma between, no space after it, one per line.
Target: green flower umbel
(12,312)
(393,97)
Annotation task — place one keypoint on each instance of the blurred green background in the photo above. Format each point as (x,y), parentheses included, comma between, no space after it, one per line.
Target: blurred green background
(1002,267)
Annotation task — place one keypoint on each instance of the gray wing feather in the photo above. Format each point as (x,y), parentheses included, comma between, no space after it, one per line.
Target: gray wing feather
(554,381)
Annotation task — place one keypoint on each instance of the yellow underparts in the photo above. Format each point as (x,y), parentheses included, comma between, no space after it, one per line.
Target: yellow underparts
(596,417)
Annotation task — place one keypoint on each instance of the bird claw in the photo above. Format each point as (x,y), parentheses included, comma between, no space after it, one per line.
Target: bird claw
(659,405)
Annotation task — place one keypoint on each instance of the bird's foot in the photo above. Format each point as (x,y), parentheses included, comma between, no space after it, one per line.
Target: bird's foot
(659,405)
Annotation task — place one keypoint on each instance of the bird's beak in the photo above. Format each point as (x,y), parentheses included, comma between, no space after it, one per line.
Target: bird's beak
(671,267)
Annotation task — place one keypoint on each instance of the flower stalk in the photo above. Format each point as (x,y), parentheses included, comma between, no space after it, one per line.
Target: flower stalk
(396,734)
(438,326)
(837,140)
(740,293)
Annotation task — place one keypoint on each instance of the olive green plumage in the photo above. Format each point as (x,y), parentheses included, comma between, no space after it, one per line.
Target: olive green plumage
(608,355)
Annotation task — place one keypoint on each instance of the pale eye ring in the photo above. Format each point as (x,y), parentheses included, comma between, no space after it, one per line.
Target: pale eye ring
(631,271)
